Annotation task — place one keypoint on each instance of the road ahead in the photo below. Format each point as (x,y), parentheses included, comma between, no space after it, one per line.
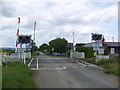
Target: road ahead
(49,72)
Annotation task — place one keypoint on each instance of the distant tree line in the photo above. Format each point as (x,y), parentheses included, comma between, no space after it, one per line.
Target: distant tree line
(58,45)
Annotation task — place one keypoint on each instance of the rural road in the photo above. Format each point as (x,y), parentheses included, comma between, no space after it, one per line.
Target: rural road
(50,72)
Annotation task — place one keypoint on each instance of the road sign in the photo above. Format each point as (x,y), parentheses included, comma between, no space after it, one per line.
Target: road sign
(95,48)
(101,51)
(112,50)
(21,49)
(28,46)
(96,44)
(96,37)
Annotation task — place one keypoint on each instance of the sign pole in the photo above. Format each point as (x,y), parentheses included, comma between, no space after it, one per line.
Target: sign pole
(97,51)
(96,57)
(97,38)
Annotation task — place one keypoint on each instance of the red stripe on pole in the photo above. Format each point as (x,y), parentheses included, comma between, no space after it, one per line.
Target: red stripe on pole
(18,32)
(18,19)
(16,43)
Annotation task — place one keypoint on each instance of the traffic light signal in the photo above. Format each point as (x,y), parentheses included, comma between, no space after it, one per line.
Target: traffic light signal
(24,39)
(96,36)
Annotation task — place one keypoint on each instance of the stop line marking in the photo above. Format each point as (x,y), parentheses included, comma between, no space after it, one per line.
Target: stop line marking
(49,68)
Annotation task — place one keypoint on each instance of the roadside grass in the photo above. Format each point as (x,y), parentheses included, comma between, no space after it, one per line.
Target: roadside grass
(34,55)
(89,60)
(16,75)
(111,65)
(0,77)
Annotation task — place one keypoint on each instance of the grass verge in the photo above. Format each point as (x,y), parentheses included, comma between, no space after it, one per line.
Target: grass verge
(16,75)
(34,55)
(89,60)
(110,65)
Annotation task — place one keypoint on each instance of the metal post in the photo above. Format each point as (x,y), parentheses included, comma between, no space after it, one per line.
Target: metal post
(113,39)
(96,57)
(21,52)
(34,36)
(73,43)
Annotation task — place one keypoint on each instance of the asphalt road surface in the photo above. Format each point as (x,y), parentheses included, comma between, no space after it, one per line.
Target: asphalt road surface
(50,72)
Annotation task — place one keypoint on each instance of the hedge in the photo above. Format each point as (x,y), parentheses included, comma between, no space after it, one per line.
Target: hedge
(89,53)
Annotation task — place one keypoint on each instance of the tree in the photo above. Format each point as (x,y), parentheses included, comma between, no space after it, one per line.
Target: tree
(43,47)
(34,47)
(59,45)
(106,52)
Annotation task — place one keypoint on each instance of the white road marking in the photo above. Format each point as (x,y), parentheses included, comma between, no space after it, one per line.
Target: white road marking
(92,65)
(83,65)
(49,68)
(37,63)
(33,68)
(30,62)
(60,68)
(64,67)
(75,66)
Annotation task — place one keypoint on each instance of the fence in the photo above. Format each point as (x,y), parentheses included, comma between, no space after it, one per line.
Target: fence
(77,54)
(14,57)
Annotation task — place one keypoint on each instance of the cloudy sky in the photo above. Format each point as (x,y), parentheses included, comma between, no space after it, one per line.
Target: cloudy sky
(58,19)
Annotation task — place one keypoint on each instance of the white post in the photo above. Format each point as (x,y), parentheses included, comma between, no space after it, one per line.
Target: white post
(24,60)
(37,63)
(71,53)
(0,62)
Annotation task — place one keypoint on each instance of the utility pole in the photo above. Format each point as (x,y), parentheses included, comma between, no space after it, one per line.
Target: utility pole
(34,30)
(113,39)
(73,42)
(34,36)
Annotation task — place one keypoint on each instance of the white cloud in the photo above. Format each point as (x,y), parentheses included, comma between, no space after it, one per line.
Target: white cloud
(102,15)
(57,19)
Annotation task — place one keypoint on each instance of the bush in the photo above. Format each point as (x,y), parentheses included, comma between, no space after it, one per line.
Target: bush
(107,52)
(68,53)
(89,60)
(106,61)
(89,53)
